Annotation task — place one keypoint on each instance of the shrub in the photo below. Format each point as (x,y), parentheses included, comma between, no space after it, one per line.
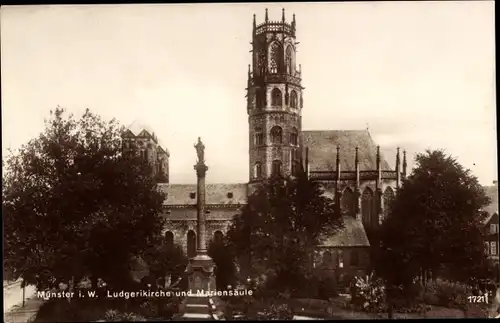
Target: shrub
(278,312)
(368,293)
(445,293)
(112,316)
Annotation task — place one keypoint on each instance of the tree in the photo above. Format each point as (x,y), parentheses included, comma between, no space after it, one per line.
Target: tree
(225,269)
(435,225)
(279,228)
(74,206)
(165,259)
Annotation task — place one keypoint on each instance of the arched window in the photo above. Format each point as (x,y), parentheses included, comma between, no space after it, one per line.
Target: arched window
(274,58)
(367,206)
(261,61)
(257,170)
(289,60)
(388,199)
(276,97)
(294,137)
(347,202)
(293,99)
(276,167)
(276,135)
(218,236)
(169,238)
(191,244)
(258,137)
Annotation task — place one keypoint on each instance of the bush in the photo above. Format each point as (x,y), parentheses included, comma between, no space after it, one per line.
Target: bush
(278,312)
(164,308)
(112,316)
(447,294)
(116,316)
(317,287)
(368,293)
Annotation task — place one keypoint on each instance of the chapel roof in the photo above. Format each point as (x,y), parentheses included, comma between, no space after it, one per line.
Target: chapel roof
(215,194)
(323,144)
(351,235)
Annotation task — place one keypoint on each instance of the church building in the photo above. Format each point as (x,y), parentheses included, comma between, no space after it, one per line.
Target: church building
(347,163)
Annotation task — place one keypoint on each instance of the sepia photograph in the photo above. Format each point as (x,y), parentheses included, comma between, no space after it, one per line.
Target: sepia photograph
(249,161)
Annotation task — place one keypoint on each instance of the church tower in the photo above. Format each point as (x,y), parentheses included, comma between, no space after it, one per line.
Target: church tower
(274,100)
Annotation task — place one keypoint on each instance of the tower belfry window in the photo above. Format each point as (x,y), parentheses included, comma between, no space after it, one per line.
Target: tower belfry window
(276,97)
(294,137)
(289,61)
(257,170)
(259,137)
(293,99)
(277,135)
(274,58)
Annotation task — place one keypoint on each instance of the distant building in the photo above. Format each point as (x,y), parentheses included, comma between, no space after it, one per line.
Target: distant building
(140,139)
(347,162)
(491,223)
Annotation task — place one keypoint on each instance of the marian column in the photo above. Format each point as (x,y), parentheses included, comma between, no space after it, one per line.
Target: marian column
(201,267)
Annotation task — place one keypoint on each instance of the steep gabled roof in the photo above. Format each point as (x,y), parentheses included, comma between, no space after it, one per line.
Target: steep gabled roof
(181,194)
(323,144)
(352,235)
(138,128)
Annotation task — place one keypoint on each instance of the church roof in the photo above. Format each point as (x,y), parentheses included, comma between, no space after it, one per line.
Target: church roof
(323,144)
(185,194)
(352,235)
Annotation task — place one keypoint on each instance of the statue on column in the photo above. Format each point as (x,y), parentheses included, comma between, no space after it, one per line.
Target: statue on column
(200,150)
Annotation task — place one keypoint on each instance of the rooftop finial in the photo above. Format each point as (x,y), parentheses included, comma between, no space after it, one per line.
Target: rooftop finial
(404,163)
(267,17)
(356,159)
(248,69)
(293,20)
(254,21)
(283,14)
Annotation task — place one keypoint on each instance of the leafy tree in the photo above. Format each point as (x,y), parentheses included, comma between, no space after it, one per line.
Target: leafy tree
(279,228)
(165,259)
(74,206)
(435,226)
(224,261)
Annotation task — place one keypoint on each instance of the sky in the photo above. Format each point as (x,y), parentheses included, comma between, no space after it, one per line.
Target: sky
(418,75)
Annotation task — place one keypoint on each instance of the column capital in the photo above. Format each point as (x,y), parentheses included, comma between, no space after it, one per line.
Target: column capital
(201,169)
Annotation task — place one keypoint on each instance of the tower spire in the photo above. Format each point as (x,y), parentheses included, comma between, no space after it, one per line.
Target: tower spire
(398,172)
(404,164)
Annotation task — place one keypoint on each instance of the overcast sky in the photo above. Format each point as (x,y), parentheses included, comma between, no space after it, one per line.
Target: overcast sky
(419,74)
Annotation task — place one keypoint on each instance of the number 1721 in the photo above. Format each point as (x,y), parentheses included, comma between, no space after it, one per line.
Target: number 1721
(478,299)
